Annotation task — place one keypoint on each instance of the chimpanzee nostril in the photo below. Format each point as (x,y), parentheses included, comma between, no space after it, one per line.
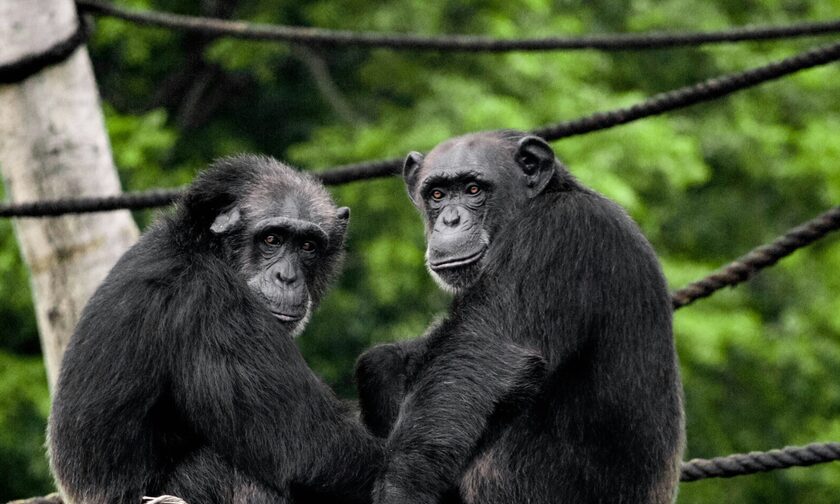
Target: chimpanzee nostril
(286,278)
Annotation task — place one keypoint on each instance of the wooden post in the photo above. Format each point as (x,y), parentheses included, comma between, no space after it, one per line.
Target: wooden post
(53,144)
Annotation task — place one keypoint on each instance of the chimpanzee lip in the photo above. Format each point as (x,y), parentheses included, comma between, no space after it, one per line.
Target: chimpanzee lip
(287,317)
(458,262)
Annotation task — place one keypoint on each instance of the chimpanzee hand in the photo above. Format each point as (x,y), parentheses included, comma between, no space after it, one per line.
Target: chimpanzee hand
(470,388)
(380,378)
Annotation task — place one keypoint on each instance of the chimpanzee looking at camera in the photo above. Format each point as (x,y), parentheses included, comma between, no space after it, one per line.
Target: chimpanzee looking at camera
(183,377)
(537,260)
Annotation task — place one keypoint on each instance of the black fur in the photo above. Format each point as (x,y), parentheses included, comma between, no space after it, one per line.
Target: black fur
(179,379)
(567,273)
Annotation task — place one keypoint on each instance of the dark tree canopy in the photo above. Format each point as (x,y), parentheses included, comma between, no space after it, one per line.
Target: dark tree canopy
(706,185)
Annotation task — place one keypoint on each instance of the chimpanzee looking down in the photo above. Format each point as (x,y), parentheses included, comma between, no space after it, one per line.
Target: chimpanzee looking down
(537,260)
(183,377)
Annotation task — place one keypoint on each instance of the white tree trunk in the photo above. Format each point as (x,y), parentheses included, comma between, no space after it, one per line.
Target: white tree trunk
(53,144)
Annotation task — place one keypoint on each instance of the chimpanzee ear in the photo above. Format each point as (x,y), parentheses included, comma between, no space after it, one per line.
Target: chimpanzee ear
(411,170)
(343,216)
(536,158)
(226,220)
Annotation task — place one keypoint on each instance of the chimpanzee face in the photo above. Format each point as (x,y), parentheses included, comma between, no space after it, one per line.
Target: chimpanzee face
(284,252)
(467,189)
(287,244)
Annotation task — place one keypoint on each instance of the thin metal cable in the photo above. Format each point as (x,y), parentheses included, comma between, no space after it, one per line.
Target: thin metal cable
(460,43)
(755,462)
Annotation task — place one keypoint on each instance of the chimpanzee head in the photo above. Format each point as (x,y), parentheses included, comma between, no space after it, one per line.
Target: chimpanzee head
(467,189)
(276,227)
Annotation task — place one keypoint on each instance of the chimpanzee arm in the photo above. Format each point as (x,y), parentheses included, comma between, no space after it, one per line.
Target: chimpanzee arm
(381,375)
(247,390)
(446,412)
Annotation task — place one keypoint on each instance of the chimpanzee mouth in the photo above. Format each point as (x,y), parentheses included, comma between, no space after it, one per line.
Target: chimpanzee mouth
(458,262)
(288,317)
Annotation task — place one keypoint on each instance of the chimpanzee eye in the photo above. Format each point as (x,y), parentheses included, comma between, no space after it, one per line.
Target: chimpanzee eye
(308,246)
(437,195)
(473,189)
(271,240)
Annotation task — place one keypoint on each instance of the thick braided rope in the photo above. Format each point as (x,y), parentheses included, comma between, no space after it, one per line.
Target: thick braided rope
(691,95)
(756,462)
(52,208)
(161,197)
(745,267)
(449,43)
(360,171)
(31,64)
(658,104)
(737,272)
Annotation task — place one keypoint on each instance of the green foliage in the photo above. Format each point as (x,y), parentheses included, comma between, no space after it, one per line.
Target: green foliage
(18,332)
(24,405)
(706,184)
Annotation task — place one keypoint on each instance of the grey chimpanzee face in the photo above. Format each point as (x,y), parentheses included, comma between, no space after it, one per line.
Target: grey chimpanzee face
(456,206)
(289,244)
(466,189)
(283,252)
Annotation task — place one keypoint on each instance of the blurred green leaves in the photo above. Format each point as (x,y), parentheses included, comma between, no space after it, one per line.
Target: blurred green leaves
(24,404)
(760,362)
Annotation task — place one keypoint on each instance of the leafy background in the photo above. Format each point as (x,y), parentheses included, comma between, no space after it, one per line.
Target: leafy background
(760,362)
